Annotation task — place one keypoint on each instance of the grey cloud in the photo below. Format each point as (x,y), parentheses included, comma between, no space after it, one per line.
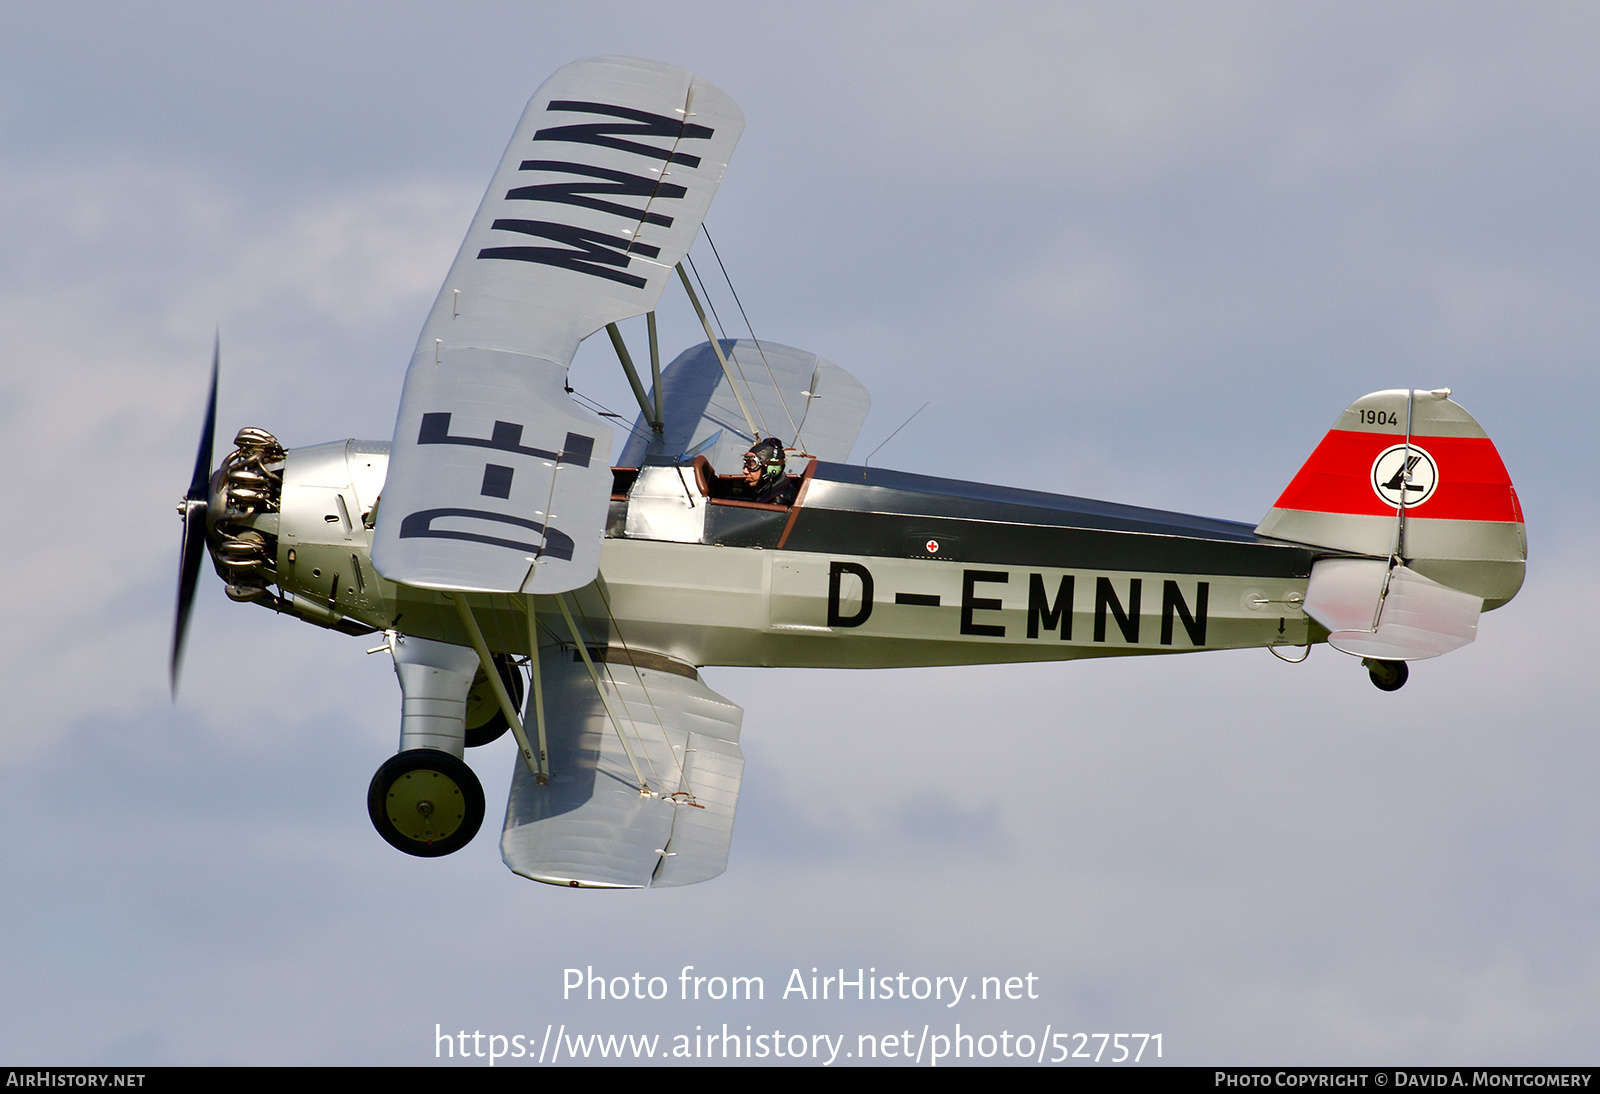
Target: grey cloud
(1158,280)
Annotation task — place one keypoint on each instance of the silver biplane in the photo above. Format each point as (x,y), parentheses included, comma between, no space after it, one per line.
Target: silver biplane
(518,582)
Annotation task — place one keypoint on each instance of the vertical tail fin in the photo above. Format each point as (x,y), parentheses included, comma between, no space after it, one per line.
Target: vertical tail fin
(1410,476)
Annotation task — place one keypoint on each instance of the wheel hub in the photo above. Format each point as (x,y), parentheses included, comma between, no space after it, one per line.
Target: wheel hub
(426,806)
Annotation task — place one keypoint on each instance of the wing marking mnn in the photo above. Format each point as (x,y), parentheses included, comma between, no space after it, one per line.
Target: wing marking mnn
(618,183)
(589,252)
(589,186)
(646,125)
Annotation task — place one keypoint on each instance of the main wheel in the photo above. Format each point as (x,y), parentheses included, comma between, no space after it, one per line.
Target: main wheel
(1387,675)
(485,720)
(425,802)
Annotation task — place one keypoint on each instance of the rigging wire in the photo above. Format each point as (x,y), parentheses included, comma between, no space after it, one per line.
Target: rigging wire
(626,649)
(707,294)
(594,677)
(890,437)
(600,408)
(782,402)
(737,363)
(605,666)
(546,630)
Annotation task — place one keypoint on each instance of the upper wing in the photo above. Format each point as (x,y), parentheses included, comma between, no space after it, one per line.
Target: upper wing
(599,195)
(591,826)
(796,395)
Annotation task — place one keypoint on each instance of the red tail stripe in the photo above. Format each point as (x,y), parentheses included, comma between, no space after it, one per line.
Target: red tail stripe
(1473,482)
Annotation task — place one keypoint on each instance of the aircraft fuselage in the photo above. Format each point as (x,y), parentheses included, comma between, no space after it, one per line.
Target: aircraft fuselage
(867,568)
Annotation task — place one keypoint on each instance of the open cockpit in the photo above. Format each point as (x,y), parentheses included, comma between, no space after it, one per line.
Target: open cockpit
(691,503)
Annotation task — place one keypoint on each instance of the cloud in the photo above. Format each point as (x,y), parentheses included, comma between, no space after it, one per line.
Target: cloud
(112,295)
(1145,252)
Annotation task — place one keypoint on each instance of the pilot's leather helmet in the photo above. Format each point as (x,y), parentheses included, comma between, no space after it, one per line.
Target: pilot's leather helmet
(766,456)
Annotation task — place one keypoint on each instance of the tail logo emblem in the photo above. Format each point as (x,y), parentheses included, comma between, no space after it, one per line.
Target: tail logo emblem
(1404,475)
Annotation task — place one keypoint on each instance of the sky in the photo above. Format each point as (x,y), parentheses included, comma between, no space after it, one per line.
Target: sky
(1144,252)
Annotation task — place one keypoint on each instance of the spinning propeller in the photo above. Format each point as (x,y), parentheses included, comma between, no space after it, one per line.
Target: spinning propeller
(193,511)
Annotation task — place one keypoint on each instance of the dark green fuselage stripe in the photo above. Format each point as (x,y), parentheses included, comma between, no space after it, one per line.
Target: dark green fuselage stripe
(883,535)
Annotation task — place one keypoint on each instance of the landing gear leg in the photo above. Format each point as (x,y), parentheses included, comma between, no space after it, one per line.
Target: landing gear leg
(425,802)
(1386,675)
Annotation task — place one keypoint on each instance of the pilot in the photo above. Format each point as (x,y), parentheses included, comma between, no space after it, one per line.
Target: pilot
(764,474)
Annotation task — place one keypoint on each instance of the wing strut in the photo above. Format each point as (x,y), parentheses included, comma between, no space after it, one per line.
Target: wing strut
(538,692)
(744,407)
(660,420)
(536,765)
(583,652)
(633,376)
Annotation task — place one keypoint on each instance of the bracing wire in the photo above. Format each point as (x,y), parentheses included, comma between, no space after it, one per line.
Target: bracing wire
(782,402)
(736,362)
(601,409)
(891,436)
(626,713)
(600,689)
(617,630)
(707,295)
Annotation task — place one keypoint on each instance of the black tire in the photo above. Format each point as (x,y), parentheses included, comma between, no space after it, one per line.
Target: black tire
(1387,675)
(485,720)
(425,802)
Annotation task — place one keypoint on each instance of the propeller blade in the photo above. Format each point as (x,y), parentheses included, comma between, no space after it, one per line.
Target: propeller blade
(193,510)
(200,481)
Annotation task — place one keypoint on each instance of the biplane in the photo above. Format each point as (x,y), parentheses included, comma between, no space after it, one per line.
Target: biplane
(519,582)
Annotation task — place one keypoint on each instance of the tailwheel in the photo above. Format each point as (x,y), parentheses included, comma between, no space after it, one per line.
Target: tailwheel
(485,720)
(425,802)
(1386,675)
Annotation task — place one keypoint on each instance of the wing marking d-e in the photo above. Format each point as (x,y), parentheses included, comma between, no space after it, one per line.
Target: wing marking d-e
(497,480)
(590,826)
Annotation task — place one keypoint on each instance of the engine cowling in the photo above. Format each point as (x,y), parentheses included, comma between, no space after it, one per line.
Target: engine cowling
(301,519)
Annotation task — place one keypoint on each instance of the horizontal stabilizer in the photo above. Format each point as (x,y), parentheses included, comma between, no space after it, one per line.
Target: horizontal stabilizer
(1390,615)
(591,826)
(600,193)
(788,389)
